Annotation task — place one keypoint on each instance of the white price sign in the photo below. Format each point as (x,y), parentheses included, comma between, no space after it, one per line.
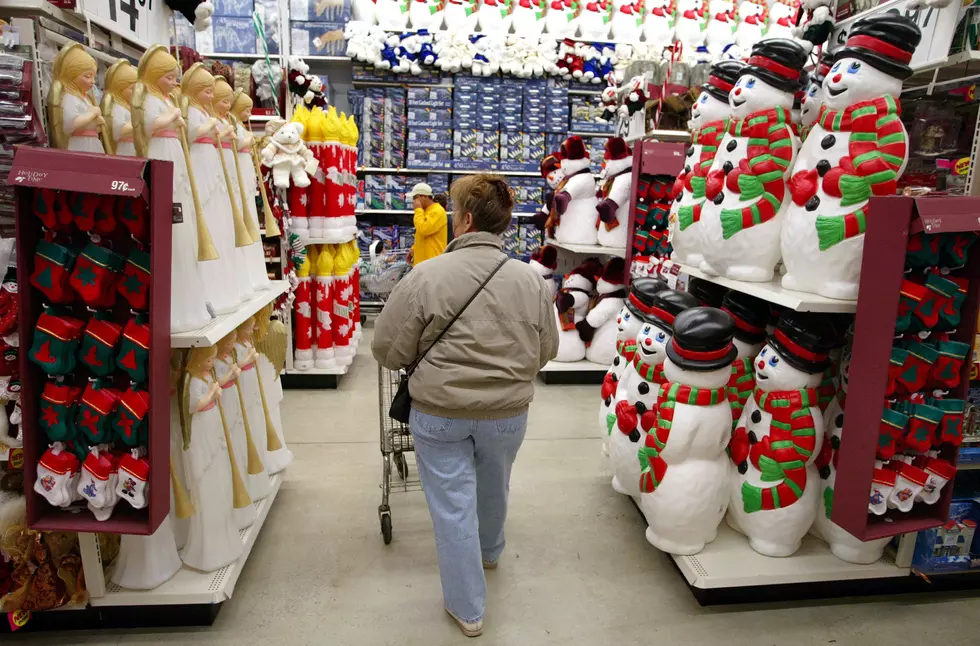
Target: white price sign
(145,22)
(937,26)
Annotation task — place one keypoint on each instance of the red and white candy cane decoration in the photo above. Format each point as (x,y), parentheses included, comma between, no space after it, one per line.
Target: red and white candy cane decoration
(323,286)
(303,317)
(675,53)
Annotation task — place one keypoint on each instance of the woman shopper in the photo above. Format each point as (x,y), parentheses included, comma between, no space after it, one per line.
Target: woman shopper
(431,224)
(471,391)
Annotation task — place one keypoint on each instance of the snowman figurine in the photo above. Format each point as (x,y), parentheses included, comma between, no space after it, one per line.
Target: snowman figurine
(573,216)
(528,18)
(571,305)
(392,14)
(626,23)
(599,328)
(425,14)
(494,16)
(746,187)
(753,16)
(658,25)
(709,123)
(782,15)
(857,148)
(614,193)
(552,174)
(461,15)
(638,391)
(720,31)
(686,475)
(842,544)
(544,262)
(628,324)
(593,21)
(560,19)
(813,97)
(690,24)
(775,491)
(750,315)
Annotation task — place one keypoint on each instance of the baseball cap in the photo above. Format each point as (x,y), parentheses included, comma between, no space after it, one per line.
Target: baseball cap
(419,189)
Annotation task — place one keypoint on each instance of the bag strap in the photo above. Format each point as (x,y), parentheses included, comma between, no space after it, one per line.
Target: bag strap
(415,364)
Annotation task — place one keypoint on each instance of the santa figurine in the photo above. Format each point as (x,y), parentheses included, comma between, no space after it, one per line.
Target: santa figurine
(628,323)
(637,394)
(685,479)
(813,96)
(599,327)
(750,315)
(573,215)
(552,174)
(544,262)
(775,491)
(614,194)
(746,186)
(857,148)
(571,306)
(709,123)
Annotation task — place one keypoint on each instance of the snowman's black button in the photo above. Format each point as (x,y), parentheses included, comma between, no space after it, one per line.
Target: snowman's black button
(687,169)
(615,363)
(756,417)
(732,145)
(641,407)
(727,167)
(828,141)
(743,467)
(644,388)
(839,420)
(634,436)
(822,167)
(719,198)
(679,197)
(607,401)
(824,472)
(835,442)
(690,151)
(813,203)
(752,438)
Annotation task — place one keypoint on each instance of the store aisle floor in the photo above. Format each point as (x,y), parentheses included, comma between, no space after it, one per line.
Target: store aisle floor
(577,569)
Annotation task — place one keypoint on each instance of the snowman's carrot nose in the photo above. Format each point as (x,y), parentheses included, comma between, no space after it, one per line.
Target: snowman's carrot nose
(738,91)
(837,78)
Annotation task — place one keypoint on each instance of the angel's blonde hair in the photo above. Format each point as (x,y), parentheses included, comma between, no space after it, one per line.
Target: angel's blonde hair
(196,80)
(122,77)
(222,91)
(197,359)
(242,103)
(156,64)
(76,62)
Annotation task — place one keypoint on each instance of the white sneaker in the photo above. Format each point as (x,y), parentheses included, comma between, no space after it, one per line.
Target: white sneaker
(470,630)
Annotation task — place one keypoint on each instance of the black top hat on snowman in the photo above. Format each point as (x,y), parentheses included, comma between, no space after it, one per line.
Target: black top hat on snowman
(702,340)
(778,62)
(666,306)
(804,340)
(750,315)
(722,78)
(710,294)
(642,291)
(886,42)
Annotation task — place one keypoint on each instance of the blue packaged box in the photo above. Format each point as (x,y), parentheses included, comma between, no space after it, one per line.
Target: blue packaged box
(949,548)
(438,181)
(429,117)
(397,187)
(376,192)
(320,11)
(406,237)
(317,38)
(240,8)
(227,35)
(429,138)
(430,96)
(428,157)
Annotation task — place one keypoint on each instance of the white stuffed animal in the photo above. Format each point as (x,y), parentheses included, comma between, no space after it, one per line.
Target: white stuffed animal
(288,156)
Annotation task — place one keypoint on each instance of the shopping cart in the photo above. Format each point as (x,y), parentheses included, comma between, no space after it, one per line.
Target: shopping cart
(380,272)
(396,441)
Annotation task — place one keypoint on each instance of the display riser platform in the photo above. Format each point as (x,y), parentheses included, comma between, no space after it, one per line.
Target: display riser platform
(559,373)
(94,619)
(303,380)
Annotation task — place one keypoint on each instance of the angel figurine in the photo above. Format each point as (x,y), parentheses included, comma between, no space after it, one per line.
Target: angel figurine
(214,188)
(159,132)
(212,538)
(74,120)
(271,347)
(117,136)
(241,112)
(256,421)
(228,372)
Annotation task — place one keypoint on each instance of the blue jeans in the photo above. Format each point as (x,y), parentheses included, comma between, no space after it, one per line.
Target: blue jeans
(465,470)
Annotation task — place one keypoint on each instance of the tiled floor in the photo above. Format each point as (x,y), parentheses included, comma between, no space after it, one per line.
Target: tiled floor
(577,569)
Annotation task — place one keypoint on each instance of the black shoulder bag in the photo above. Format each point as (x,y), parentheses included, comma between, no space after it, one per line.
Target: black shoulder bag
(401,403)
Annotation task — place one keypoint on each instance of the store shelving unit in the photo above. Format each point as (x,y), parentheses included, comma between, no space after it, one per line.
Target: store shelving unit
(588,249)
(220,326)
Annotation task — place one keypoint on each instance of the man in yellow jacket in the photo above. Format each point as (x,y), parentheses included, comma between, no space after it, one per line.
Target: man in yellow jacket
(431,224)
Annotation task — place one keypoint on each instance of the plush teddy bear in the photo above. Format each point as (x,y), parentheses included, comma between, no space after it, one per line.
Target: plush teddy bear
(288,156)
(197,12)
(308,87)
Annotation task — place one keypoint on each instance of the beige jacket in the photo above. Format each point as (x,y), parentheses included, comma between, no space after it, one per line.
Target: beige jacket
(484,366)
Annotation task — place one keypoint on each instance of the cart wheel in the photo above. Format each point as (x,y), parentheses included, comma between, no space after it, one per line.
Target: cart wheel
(386,528)
(402,465)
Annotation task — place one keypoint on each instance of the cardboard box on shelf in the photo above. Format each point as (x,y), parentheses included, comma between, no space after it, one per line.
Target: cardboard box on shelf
(240,8)
(227,35)
(430,138)
(317,38)
(320,10)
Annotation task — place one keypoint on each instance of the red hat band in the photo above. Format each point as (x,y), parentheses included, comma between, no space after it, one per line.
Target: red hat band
(695,355)
(774,67)
(744,325)
(720,83)
(881,47)
(798,349)
(651,310)
(823,69)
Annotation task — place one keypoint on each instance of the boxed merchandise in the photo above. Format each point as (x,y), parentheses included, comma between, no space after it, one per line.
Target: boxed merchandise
(430,117)
(240,8)
(320,11)
(186,34)
(513,147)
(430,138)
(376,192)
(406,237)
(438,181)
(530,237)
(398,185)
(949,548)
(364,238)
(227,35)
(427,157)
(387,235)
(268,11)
(430,97)
(317,38)
(512,240)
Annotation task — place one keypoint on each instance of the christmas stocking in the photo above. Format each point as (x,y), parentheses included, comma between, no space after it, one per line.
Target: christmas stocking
(134,472)
(922,251)
(882,485)
(135,283)
(949,315)
(94,411)
(56,414)
(50,208)
(95,276)
(951,427)
(918,364)
(54,475)
(132,212)
(98,347)
(892,427)
(93,483)
(56,343)
(939,291)
(909,298)
(103,513)
(640,239)
(129,420)
(82,207)
(134,349)
(896,366)
(923,422)
(52,269)
(948,367)
(9,308)
(955,248)
(939,473)
(105,216)
(909,481)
